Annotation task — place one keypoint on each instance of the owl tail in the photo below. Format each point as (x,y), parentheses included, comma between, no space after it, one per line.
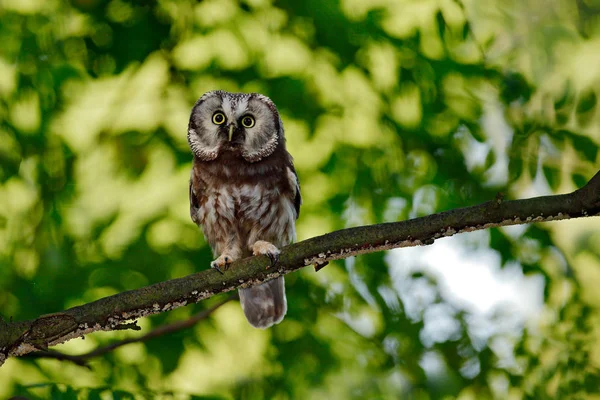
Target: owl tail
(264,305)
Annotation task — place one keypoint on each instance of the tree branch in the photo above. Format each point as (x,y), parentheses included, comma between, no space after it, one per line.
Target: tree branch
(82,359)
(110,313)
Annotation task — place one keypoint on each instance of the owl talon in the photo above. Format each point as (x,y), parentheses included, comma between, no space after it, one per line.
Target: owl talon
(216,267)
(267,249)
(222,262)
(274,258)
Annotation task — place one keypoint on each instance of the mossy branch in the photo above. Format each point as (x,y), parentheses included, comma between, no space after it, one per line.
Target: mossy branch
(116,312)
(82,359)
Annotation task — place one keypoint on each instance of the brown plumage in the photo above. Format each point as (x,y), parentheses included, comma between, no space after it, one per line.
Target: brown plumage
(244,191)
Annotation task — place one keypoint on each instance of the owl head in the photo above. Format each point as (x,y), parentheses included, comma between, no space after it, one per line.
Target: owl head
(240,124)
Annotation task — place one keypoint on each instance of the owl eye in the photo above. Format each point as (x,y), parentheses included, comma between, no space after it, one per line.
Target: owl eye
(218,118)
(247,121)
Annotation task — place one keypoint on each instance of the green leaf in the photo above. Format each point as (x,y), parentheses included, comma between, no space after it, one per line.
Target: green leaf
(587,102)
(515,86)
(441,24)
(466,31)
(515,169)
(579,180)
(552,176)
(122,395)
(566,98)
(586,147)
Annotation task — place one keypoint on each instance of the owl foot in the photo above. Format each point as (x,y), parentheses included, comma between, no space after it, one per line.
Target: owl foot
(260,247)
(222,262)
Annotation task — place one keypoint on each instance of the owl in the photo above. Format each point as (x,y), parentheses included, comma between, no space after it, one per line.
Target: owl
(244,191)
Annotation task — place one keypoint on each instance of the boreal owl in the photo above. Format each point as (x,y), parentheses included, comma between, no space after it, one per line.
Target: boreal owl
(244,192)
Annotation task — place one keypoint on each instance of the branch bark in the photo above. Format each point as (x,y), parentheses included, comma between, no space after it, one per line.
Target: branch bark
(82,359)
(115,312)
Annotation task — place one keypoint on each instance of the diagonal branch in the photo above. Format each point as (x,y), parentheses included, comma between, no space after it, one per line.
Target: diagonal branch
(110,313)
(82,359)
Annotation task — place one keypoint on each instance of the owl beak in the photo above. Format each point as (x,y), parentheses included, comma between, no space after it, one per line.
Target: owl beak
(230,132)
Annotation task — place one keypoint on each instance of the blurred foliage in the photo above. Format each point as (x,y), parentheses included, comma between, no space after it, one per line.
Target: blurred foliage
(392,109)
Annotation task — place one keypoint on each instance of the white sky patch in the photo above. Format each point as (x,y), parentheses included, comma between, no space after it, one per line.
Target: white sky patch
(433,364)
(475,152)
(499,301)
(539,186)
(354,214)
(394,208)
(514,231)
(500,136)
(440,324)
(361,323)
(424,201)
(469,276)
(359,284)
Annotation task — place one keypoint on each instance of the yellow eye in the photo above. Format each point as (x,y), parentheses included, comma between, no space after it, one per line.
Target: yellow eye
(247,121)
(218,118)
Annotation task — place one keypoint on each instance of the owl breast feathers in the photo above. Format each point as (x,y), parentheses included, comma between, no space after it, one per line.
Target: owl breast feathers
(244,191)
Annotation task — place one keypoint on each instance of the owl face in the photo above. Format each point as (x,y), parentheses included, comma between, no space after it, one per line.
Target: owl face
(242,124)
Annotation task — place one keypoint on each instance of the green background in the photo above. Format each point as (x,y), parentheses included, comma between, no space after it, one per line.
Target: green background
(392,110)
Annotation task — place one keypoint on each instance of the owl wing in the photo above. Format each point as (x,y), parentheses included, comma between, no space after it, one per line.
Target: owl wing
(295,185)
(196,192)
